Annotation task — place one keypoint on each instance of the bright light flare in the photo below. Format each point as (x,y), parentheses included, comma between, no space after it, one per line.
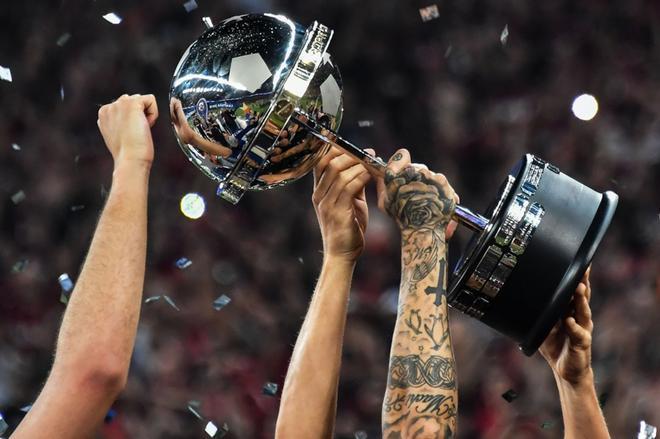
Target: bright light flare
(585,107)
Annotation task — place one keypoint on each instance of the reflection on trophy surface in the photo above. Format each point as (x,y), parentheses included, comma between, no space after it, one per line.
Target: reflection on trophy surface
(257,100)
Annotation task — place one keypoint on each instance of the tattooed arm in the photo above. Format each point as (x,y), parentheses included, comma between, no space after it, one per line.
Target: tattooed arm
(309,397)
(421,397)
(567,349)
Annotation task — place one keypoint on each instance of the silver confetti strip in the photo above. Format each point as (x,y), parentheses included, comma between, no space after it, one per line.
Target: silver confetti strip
(221,302)
(20,266)
(169,300)
(113,18)
(429,13)
(151,299)
(269,389)
(5,74)
(15,147)
(63,39)
(18,197)
(365,123)
(190,5)
(183,263)
(504,36)
(646,431)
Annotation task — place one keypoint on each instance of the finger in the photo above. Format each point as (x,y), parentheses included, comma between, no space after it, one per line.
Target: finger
(398,161)
(150,108)
(331,172)
(323,163)
(582,309)
(451,229)
(420,166)
(586,279)
(347,184)
(578,336)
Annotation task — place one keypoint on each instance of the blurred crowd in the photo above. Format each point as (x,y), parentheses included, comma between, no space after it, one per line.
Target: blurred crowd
(465,99)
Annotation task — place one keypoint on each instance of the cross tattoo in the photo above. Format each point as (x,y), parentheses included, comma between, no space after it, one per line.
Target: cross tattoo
(437,289)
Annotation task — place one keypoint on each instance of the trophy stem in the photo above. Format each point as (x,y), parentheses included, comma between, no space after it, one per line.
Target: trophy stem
(376,165)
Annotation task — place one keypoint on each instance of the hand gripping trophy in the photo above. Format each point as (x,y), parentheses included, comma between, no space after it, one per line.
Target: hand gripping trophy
(257,100)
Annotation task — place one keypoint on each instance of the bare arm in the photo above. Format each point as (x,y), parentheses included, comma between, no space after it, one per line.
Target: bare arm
(98,329)
(421,398)
(568,353)
(309,398)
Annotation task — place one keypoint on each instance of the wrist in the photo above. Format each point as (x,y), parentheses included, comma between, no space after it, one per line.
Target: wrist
(583,381)
(339,260)
(125,167)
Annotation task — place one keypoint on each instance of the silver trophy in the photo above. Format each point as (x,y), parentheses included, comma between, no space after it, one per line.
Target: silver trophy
(257,100)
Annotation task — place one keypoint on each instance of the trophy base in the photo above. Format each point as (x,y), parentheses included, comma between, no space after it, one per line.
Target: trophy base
(519,274)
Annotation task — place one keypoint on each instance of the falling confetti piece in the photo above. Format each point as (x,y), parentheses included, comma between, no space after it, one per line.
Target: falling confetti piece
(193,407)
(169,300)
(547,424)
(20,266)
(207,22)
(190,5)
(365,123)
(5,74)
(63,39)
(192,205)
(300,259)
(15,147)
(113,18)
(151,299)
(211,429)
(26,408)
(110,416)
(646,431)
(77,208)
(269,389)
(360,434)
(67,287)
(3,425)
(504,36)
(429,13)
(510,395)
(61,92)
(221,302)
(18,197)
(448,51)
(183,263)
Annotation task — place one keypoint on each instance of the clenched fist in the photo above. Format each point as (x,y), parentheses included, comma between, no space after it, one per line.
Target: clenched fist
(126,128)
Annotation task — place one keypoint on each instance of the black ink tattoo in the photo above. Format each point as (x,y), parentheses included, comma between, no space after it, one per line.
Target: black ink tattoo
(420,255)
(393,403)
(439,289)
(411,371)
(396,157)
(432,331)
(414,321)
(443,406)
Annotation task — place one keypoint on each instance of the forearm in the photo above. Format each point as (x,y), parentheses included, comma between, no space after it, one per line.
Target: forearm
(580,409)
(309,396)
(99,325)
(421,393)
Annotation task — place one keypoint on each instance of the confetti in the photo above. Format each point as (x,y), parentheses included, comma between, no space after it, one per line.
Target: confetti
(63,39)
(192,206)
(110,416)
(26,408)
(504,36)
(3,425)
(448,51)
(190,5)
(360,434)
(365,123)
(211,429)
(301,260)
(169,300)
(547,424)
(646,431)
(510,395)
(113,18)
(20,266)
(183,263)
(15,147)
(67,286)
(18,197)
(151,299)
(269,389)
(77,207)
(429,13)
(221,302)
(193,407)
(61,92)
(5,74)
(207,22)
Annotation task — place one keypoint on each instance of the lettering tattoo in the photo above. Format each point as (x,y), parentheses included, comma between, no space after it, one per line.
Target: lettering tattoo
(442,406)
(412,371)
